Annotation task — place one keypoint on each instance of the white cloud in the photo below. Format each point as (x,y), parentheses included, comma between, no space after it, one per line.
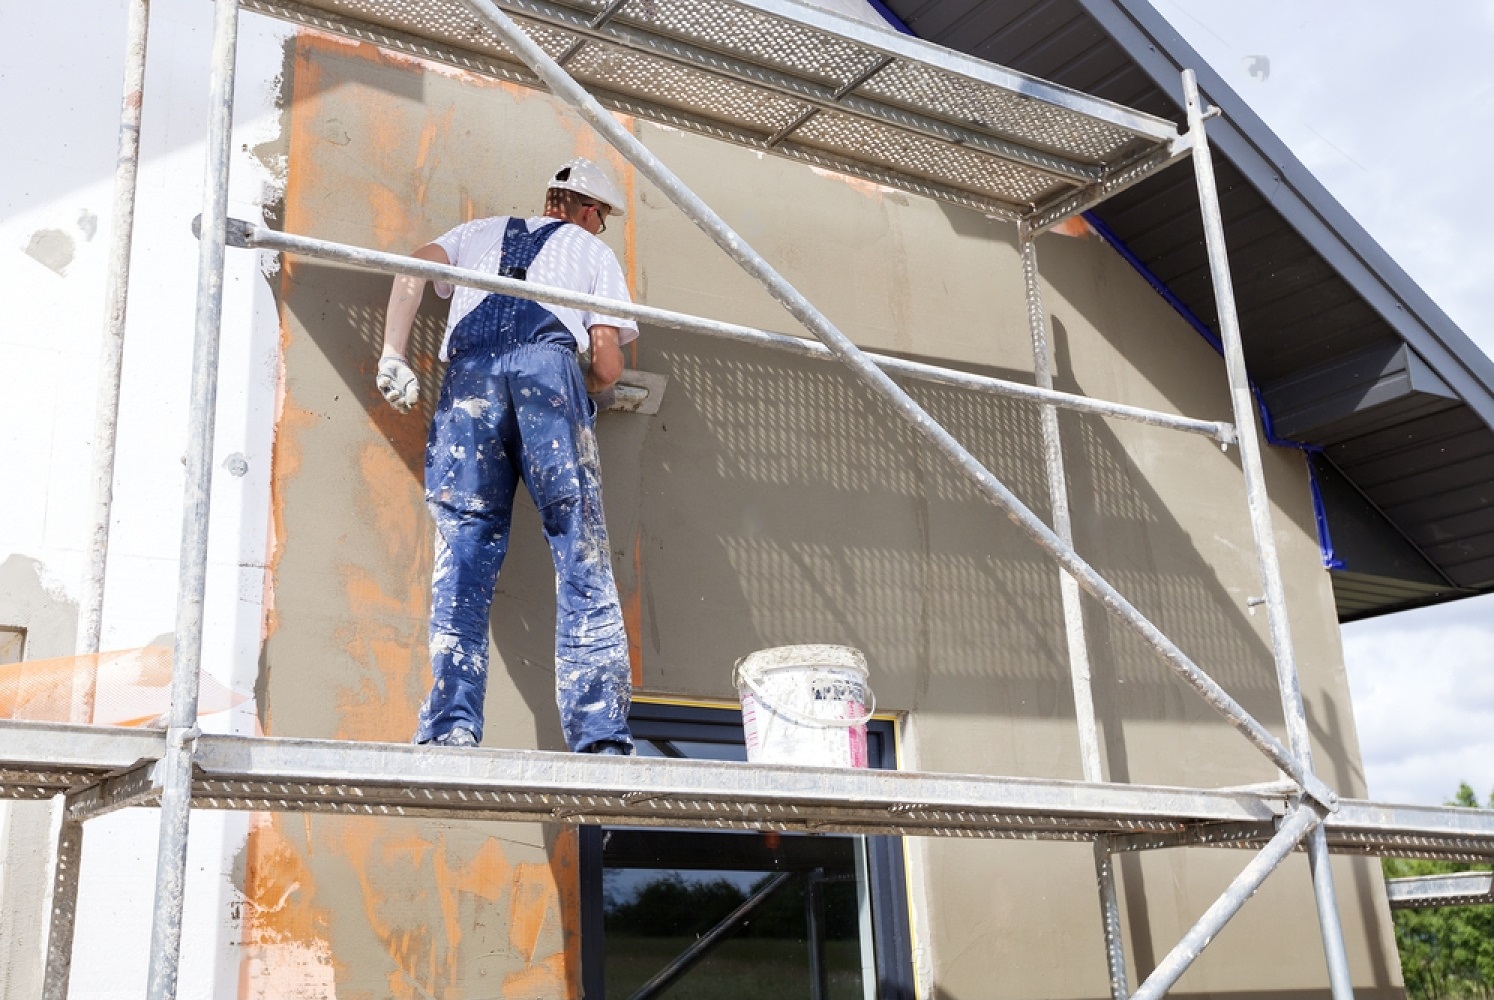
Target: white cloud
(1423,690)
(1392,108)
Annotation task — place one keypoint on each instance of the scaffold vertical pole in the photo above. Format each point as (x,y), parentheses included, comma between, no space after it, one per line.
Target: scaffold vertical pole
(62,908)
(1073,608)
(1058,496)
(111,355)
(1110,915)
(181,731)
(1294,712)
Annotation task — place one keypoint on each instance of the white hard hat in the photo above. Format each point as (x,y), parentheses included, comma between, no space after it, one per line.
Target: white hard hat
(584,177)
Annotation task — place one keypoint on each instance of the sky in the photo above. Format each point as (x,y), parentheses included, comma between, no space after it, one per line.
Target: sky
(1394,112)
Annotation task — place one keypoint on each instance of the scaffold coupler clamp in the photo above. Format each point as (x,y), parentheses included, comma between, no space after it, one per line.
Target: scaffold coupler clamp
(236,232)
(1319,795)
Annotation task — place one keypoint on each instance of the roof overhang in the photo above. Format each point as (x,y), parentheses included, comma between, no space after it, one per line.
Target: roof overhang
(1400,426)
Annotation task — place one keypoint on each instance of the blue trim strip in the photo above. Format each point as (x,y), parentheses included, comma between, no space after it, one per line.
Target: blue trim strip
(891,18)
(1320,515)
(1319,510)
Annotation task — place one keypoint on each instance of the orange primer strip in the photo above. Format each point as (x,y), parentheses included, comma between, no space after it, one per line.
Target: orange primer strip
(397,872)
(565,868)
(269,859)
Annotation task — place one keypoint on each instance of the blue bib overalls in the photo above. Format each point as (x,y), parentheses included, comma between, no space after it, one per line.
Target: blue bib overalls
(513,407)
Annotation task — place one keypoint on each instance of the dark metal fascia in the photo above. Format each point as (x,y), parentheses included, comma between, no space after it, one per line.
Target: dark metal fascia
(1395,528)
(1303,202)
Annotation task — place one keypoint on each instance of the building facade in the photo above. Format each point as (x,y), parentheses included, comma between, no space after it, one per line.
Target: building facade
(771,500)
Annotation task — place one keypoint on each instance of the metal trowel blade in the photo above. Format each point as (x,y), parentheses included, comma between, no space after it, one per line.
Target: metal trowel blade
(639,392)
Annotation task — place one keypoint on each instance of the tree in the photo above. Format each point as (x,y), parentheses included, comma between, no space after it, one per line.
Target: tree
(671,906)
(1447,952)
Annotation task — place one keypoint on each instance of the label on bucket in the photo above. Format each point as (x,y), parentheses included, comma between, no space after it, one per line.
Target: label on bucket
(797,716)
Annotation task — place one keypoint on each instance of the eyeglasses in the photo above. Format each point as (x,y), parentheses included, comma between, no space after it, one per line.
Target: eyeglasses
(601,207)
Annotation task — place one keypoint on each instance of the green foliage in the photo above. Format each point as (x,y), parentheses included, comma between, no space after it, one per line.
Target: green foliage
(1447,952)
(765,958)
(670,906)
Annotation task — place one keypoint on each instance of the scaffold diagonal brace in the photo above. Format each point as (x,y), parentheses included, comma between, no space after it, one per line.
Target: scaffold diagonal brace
(704,217)
(1301,821)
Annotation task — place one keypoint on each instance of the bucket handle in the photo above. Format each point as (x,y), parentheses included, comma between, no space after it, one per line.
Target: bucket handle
(748,677)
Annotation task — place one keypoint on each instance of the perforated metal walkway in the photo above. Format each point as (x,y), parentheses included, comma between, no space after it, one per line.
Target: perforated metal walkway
(803,83)
(103,769)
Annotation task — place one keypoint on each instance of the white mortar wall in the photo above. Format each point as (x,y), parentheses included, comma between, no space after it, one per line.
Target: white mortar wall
(61,68)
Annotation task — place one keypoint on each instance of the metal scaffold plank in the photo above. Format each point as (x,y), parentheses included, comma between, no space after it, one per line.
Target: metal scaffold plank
(90,751)
(1378,829)
(1455,889)
(139,786)
(396,779)
(800,82)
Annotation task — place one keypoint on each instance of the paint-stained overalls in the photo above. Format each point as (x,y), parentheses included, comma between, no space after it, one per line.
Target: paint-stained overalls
(514,406)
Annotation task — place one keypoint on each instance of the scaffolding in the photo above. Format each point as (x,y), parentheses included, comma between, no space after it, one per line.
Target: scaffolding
(817,87)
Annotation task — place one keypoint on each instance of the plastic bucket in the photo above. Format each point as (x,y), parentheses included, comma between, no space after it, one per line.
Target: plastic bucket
(805,705)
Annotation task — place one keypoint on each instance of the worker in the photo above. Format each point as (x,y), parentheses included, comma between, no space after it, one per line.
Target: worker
(516,405)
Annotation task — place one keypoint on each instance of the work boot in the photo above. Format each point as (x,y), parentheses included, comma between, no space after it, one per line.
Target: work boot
(610,748)
(459,736)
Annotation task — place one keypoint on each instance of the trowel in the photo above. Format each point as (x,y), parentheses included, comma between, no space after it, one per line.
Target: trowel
(638,392)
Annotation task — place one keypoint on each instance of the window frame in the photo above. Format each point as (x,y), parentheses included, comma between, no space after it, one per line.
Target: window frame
(891,928)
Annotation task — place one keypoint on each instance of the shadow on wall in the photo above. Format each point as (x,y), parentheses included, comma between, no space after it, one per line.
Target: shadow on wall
(342,310)
(780,502)
(823,517)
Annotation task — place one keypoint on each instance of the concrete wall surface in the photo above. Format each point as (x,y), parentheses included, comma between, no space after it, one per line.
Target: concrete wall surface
(775,501)
(771,500)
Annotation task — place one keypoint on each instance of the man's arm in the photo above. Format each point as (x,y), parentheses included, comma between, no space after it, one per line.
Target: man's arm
(404,302)
(395,379)
(606,359)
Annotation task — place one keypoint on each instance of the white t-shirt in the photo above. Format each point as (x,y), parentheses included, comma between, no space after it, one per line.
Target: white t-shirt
(571,258)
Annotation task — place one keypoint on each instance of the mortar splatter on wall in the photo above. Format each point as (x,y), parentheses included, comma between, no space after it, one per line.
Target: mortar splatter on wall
(362,906)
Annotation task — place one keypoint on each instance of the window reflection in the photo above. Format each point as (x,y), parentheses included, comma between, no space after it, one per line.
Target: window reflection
(732,915)
(693,749)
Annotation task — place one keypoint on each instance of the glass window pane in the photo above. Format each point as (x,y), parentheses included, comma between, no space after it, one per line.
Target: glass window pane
(692,749)
(670,900)
(806,926)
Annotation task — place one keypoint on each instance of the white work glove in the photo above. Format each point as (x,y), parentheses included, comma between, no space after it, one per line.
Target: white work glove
(398,383)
